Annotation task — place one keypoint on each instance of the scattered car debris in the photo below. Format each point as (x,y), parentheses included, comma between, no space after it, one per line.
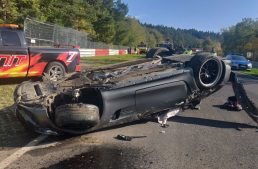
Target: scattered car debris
(232,104)
(243,99)
(162,131)
(163,117)
(127,138)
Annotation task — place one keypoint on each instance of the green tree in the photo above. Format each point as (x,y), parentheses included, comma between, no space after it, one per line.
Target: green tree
(241,38)
(120,10)
(105,28)
(8,11)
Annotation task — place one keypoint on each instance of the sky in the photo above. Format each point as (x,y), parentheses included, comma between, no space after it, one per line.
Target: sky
(205,15)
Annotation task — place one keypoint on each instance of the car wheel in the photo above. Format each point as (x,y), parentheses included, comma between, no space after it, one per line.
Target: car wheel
(77,116)
(207,70)
(154,52)
(55,70)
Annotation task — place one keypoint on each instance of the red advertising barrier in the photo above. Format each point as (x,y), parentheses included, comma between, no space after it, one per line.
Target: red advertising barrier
(102,52)
(122,52)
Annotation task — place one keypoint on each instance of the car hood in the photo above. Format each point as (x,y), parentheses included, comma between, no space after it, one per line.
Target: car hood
(241,61)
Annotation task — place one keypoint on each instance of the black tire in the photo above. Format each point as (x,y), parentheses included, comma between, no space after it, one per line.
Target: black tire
(77,116)
(154,52)
(207,70)
(55,70)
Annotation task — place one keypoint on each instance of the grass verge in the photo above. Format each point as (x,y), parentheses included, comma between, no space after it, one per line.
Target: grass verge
(253,72)
(107,60)
(6,95)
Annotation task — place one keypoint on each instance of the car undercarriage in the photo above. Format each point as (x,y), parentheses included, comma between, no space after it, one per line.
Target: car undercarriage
(118,94)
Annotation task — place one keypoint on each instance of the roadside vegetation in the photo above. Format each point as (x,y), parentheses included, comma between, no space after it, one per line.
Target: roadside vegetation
(252,72)
(241,38)
(106,60)
(6,95)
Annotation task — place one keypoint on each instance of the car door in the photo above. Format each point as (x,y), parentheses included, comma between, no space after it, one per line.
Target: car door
(14,59)
(159,97)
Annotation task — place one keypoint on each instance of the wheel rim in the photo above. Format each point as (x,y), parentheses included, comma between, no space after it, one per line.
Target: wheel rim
(55,73)
(210,73)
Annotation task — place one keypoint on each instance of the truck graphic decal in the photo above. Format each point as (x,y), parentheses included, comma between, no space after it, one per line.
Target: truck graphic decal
(11,60)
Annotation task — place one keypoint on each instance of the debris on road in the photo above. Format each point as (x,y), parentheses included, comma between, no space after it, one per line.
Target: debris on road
(127,138)
(163,132)
(163,117)
(243,99)
(232,104)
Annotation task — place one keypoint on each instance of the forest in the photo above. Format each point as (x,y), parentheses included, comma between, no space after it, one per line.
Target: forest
(241,38)
(108,21)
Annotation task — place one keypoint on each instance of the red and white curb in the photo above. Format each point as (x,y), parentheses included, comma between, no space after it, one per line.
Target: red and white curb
(102,52)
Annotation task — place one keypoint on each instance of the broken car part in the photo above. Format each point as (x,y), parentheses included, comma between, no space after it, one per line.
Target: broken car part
(127,138)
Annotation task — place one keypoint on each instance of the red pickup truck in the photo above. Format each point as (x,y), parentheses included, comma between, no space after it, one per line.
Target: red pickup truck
(19,60)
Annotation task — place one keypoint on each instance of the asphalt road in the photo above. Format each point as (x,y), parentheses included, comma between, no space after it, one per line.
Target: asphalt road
(251,86)
(209,138)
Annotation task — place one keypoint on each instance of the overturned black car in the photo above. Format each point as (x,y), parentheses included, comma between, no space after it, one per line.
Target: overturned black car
(117,94)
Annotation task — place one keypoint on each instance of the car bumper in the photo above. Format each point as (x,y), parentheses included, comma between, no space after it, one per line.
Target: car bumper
(35,119)
(242,66)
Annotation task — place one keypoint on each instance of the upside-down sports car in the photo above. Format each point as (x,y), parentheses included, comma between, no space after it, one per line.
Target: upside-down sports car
(121,93)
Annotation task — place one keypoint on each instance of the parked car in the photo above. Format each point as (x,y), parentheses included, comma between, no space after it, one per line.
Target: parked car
(113,95)
(142,48)
(19,60)
(238,62)
(162,49)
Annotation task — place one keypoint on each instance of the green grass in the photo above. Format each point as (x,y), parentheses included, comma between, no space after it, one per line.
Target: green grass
(107,60)
(253,72)
(6,95)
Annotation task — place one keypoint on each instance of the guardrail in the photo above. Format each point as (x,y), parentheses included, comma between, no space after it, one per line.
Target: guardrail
(101,52)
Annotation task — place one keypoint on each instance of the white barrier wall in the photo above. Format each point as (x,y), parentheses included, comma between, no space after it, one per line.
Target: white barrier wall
(113,52)
(101,52)
(87,52)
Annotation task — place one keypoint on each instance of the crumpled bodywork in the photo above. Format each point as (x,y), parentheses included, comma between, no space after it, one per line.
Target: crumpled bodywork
(243,99)
(123,93)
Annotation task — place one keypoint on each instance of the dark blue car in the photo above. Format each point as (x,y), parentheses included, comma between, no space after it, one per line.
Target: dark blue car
(239,62)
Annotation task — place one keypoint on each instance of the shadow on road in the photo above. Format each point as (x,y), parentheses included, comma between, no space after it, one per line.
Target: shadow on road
(12,133)
(211,123)
(137,122)
(224,107)
(104,157)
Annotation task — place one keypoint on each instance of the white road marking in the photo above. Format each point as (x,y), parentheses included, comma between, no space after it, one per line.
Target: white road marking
(21,151)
